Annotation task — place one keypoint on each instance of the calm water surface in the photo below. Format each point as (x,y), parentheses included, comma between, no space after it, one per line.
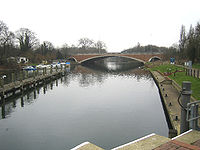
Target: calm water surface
(105,108)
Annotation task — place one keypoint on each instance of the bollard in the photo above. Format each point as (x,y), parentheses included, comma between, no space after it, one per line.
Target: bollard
(185,99)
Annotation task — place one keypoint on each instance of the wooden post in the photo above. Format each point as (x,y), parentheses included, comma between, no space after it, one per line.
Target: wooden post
(43,71)
(13,77)
(37,72)
(51,86)
(56,82)
(1,82)
(21,75)
(51,70)
(34,94)
(34,74)
(26,74)
(194,73)
(44,89)
(3,112)
(198,73)
(22,101)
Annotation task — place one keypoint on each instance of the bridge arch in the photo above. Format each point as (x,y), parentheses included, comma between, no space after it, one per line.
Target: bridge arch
(72,59)
(105,56)
(154,58)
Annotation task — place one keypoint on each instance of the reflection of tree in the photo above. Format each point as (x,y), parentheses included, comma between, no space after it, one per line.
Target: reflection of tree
(26,98)
(84,75)
(6,109)
(88,76)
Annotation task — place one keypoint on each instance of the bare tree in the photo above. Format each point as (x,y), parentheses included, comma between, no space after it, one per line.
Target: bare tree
(85,43)
(100,46)
(46,46)
(182,42)
(26,38)
(6,37)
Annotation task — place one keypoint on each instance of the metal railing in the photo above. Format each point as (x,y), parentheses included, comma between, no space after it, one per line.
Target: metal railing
(193,115)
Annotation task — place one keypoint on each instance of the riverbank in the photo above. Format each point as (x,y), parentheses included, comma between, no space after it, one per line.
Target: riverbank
(169,95)
(168,79)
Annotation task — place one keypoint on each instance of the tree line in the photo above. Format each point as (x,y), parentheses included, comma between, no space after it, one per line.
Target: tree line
(189,43)
(24,42)
(148,49)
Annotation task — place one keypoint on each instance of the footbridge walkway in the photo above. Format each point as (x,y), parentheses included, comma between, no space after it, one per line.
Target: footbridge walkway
(139,57)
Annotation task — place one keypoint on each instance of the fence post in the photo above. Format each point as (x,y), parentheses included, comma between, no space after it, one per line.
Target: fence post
(185,99)
(194,73)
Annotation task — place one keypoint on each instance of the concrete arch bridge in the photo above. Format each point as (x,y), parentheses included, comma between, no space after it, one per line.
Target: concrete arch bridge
(138,57)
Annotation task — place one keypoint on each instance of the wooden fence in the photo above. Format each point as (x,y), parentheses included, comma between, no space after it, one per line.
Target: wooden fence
(193,72)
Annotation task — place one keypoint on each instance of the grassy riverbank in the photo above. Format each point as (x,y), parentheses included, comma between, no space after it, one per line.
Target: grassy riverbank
(179,76)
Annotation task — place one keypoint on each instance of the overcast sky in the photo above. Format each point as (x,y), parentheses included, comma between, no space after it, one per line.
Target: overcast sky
(121,24)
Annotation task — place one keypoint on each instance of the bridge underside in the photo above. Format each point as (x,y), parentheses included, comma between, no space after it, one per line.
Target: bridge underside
(102,57)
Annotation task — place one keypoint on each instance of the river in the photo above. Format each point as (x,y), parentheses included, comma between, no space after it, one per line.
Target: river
(107,107)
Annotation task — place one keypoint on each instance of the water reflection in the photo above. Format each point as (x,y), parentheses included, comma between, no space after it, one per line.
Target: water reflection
(113,64)
(86,77)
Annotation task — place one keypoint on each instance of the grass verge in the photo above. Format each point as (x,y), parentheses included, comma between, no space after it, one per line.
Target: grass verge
(179,77)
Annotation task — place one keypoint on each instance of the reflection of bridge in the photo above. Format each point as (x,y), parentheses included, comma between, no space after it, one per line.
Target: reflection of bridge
(139,57)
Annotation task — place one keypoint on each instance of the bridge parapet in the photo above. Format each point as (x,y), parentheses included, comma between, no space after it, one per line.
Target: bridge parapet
(139,57)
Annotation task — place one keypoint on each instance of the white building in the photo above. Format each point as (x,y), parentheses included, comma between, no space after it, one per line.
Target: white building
(22,60)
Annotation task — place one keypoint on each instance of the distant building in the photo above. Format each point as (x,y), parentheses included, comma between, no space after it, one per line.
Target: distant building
(22,60)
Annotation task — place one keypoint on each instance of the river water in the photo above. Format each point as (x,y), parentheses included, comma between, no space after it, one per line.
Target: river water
(107,107)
